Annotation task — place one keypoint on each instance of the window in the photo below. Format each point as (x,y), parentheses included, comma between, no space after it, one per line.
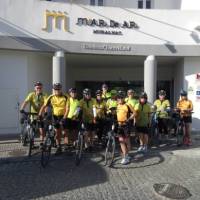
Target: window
(100,2)
(148,4)
(140,4)
(92,2)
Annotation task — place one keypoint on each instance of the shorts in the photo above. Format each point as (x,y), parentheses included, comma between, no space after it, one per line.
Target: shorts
(123,131)
(144,130)
(187,119)
(71,124)
(57,122)
(89,126)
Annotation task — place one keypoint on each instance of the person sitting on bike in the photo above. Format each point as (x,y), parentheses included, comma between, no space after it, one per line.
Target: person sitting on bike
(112,102)
(163,107)
(86,104)
(130,99)
(186,107)
(59,103)
(36,99)
(99,114)
(72,113)
(125,113)
(105,94)
(142,118)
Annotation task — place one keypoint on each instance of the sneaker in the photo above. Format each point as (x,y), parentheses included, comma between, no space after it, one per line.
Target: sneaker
(140,149)
(58,150)
(145,149)
(125,161)
(128,157)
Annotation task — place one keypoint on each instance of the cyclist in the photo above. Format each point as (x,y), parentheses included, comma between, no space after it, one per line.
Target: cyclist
(72,113)
(142,117)
(125,113)
(112,102)
(163,107)
(86,104)
(59,103)
(186,107)
(99,110)
(36,99)
(130,99)
(105,94)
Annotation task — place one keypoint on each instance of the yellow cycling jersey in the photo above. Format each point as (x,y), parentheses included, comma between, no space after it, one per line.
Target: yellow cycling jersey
(87,110)
(131,101)
(100,109)
(184,105)
(161,107)
(107,95)
(111,103)
(123,112)
(36,101)
(72,106)
(58,103)
(142,114)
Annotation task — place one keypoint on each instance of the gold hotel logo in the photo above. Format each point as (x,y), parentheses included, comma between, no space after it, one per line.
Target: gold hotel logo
(55,18)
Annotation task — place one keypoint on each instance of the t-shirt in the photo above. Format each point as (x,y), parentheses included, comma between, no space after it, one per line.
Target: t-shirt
(73,105)
(161,107)
(36,101)
(142,114)
(123,112)
(87,110)
(131,102)
(184,105)
(58,103)
(100,109)
(111,103)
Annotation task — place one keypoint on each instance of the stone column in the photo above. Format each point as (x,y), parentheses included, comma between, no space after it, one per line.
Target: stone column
(59,69)
(150,77)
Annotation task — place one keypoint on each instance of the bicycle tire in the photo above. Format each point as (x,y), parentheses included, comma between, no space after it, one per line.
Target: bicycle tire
(180,136)
(110,150)
(78,149)
(31,141)
(23,136)
(46,152)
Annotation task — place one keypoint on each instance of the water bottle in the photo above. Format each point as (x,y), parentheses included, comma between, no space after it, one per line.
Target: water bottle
(94,111)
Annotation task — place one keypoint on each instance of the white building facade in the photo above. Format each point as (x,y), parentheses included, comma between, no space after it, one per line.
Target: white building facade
(142,44)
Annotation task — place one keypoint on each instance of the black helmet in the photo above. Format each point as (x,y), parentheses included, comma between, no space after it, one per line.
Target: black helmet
(98,92)
(38,83)
(183,93)
(143,95)
(121,94)
(162,93)
(57,86)
(72,90)
(86,91)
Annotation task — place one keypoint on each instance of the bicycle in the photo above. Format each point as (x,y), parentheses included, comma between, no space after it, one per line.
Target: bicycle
(29,129)
(79,144)
(48,143)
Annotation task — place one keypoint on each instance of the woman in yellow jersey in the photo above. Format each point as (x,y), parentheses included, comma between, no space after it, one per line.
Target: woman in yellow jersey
(125,113)
(142,118)
(186,107)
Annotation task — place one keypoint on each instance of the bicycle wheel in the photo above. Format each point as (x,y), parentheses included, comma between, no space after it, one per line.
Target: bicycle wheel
(179,136)
(23,135)
(79,149)
(31,141)
(110,150)
(46,152)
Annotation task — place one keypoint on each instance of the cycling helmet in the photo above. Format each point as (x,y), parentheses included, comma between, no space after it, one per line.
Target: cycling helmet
(72,90)
(162,93)
(57,86)
(130,91)
(183,93)
(98,92)
(121,94)
(104,86)
(86,91)
(143,95)
(38,83)
(113,92)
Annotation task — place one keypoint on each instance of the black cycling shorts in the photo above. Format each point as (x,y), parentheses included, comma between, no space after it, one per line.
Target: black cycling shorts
(187,119)
(144,130)
(57,122)
(72,124)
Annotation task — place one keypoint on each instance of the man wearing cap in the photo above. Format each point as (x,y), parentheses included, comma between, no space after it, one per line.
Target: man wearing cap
(59,103)
(130,99)
(163,108)
(36,99)
(186,107)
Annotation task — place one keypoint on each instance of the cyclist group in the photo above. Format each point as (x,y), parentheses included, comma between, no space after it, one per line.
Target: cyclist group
(68,111)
